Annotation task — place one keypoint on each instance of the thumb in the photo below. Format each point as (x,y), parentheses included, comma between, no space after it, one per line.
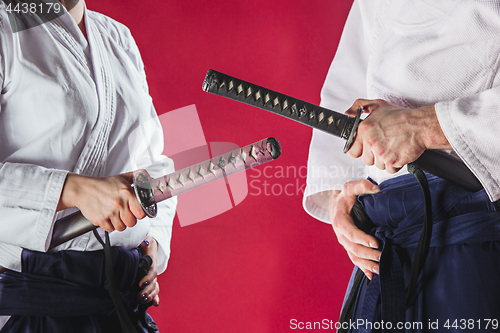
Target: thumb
(362,186)
(368,105)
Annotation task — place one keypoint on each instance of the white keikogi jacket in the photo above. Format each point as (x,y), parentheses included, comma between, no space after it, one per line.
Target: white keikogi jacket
(71,105)
(414,53)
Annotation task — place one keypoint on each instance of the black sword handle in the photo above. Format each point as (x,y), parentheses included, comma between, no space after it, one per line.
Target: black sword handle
(435,162)
(306,113)
(69,227)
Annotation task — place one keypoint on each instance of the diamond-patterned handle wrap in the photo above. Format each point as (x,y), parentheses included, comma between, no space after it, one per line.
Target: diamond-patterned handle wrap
(338,124)
(215,168)
(332,122)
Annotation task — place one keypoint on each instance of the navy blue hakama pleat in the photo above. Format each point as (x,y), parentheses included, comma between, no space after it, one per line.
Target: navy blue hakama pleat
(458,288)
(64,291)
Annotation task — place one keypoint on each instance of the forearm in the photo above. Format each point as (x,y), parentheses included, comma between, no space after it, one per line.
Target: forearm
(107,202)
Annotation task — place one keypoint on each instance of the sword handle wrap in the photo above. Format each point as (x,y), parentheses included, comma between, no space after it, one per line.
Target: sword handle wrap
(309,114)
(150,191)
(215,168)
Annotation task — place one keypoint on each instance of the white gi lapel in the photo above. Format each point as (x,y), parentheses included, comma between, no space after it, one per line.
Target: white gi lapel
(65,30)
(92,160)
(67,40)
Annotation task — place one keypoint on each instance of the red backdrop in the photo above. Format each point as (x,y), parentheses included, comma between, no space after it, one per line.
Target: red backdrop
(265,262)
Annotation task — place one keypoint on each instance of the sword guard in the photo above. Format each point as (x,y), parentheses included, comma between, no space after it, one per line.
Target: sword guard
(144,193)
(351,135)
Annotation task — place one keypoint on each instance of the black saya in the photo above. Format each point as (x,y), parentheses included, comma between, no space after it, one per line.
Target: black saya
(338,124)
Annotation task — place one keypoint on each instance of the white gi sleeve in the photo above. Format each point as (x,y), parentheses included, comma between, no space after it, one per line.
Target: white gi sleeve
(328,168)
(29,194)
(471,126)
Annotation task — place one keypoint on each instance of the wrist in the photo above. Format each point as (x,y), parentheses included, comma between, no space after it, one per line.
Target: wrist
(431,135)
(70,192)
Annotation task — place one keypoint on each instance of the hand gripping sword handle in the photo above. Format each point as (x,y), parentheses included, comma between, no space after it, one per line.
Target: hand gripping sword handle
(76,224)
(340,125)
(150,191)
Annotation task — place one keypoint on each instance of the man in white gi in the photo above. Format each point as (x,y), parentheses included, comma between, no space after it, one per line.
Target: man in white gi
(73,99)
(428,73)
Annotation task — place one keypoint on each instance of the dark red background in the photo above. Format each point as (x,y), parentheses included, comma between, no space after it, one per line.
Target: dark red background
(265,262)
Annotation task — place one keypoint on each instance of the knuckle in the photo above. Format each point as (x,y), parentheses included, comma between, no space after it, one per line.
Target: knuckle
(359,188)
(393,160)
(130,222)
(380,165)
(357,148)
(120,227)
(353,153)
(140,215)
(366,183)
(349,234)
(340,228)
(112,214)
(356,251)
(107,226)
(354,259)
(378,149)
(364,126)
(116,203)
(367,160)
(346,188)
(370,142)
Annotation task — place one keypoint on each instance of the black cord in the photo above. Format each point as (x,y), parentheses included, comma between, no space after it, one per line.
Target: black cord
(425,238)
(126,323)
(348,308)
